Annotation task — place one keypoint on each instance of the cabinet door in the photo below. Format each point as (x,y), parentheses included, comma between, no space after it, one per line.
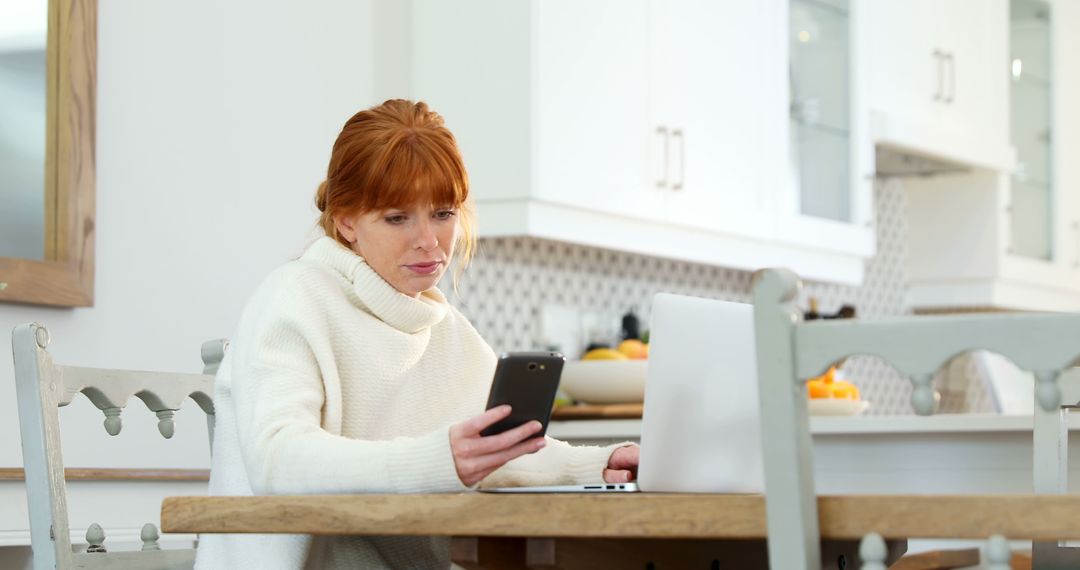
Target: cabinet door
(938,78)
(1032,224)
(908,72)
(974,35)
(722,75)
(1065,43)
(591,106)
(827,202)
(820,94)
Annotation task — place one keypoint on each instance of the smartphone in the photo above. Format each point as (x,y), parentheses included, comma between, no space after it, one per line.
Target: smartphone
(528,382)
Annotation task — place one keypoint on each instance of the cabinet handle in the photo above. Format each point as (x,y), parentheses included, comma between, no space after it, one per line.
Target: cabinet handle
(950,60)
(939,57)
(663,131)
(678,134)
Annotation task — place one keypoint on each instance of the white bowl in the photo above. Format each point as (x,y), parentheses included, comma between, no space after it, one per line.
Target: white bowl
(605,381)
(837,407)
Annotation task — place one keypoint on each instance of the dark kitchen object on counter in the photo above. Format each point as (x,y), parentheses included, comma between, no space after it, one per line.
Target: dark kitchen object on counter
(631,327)
(845,312)
(812,314)
(595,345)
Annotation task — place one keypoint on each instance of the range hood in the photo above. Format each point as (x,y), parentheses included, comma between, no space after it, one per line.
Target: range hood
(907,148)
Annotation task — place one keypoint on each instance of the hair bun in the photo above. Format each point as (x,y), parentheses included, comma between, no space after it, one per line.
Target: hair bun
(320,196)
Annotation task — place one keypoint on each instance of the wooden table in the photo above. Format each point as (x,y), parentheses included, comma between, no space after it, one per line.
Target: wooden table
(581,531)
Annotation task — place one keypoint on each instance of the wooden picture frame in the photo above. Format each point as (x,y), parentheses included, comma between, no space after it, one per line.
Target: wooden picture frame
(66,276)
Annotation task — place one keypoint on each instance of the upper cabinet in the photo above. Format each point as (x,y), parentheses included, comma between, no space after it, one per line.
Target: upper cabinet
(750,134)
(1010,239)
(829,159)
(938,87)
(712,106)
(660,127)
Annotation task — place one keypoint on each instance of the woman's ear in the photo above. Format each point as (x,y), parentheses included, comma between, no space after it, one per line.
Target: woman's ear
(346,227)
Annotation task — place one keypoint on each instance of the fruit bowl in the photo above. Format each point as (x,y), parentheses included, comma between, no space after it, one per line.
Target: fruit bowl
(836,407)
(605,381)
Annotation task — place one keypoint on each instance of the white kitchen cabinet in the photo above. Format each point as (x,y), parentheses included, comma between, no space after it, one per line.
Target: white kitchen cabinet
(1011,239)
(719,95)
(636,125)
(1066,134)
(938,87)
(828,190)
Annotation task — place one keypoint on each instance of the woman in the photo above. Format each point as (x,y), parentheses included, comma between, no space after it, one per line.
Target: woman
(350,373)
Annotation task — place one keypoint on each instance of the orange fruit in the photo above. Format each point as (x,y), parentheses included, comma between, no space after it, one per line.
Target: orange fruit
(818,389)
(845,391)
(603,354)
(634,348)
(827,386)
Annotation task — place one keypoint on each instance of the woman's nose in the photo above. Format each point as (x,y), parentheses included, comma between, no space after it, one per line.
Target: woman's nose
(426,238)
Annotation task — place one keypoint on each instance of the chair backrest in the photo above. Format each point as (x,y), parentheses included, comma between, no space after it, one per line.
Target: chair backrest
(42,387)
(1050,471)
(789,352)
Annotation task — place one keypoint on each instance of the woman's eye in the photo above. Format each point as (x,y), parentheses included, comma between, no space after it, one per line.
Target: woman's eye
(395,219)
(444,214)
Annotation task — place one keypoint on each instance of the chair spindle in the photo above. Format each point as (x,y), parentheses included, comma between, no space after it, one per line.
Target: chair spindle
(872,552)
(149,536)
(95,538)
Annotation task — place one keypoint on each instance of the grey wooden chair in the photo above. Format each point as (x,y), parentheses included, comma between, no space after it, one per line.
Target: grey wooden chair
(1050,470)
(42,387)
(789,352)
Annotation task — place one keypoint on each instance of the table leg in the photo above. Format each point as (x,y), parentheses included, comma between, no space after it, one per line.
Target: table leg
(488,553)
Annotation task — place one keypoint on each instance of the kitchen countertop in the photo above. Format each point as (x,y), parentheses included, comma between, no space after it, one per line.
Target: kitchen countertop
(939,423)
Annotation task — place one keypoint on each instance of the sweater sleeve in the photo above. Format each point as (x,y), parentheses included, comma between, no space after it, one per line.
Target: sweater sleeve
(559,463)
(286,451)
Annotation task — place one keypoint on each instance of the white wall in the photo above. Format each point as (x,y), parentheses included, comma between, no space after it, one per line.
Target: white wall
(215,123)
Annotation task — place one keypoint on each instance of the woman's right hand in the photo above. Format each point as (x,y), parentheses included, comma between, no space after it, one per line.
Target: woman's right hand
(476,456)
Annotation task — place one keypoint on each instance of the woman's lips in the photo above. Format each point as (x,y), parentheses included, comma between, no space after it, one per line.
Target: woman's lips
(425,268)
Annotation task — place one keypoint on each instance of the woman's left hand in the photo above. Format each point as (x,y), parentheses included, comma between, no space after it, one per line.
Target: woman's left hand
(622,465)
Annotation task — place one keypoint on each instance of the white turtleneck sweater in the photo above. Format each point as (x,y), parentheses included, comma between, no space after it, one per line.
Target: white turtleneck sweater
(335,382)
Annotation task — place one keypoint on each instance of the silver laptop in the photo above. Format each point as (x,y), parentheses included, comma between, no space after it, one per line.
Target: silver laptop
(701,431)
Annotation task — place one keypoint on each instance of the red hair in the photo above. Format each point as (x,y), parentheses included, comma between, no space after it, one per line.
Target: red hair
(395,155)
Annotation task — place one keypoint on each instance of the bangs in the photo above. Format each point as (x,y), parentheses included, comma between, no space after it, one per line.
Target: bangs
(415,167)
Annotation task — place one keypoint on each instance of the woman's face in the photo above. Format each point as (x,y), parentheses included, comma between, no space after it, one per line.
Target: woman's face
(408,247)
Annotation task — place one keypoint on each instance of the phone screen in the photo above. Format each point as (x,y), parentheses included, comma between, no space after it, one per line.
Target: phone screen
(527,381)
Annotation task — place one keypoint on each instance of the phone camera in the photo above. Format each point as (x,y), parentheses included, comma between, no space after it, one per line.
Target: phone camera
(532,366)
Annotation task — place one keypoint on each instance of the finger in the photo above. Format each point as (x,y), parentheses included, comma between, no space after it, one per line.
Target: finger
(617,476)
(625,458)
(477,424)
(476,445)
(493,461)
(506,439)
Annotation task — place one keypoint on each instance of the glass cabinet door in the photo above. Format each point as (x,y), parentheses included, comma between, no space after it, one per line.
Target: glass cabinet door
(819,40)
(1030,115)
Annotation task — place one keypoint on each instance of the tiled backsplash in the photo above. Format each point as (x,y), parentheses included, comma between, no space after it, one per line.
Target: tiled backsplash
(505,290)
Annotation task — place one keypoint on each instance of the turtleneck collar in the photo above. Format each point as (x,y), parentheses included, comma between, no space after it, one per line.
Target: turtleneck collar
(372,293)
